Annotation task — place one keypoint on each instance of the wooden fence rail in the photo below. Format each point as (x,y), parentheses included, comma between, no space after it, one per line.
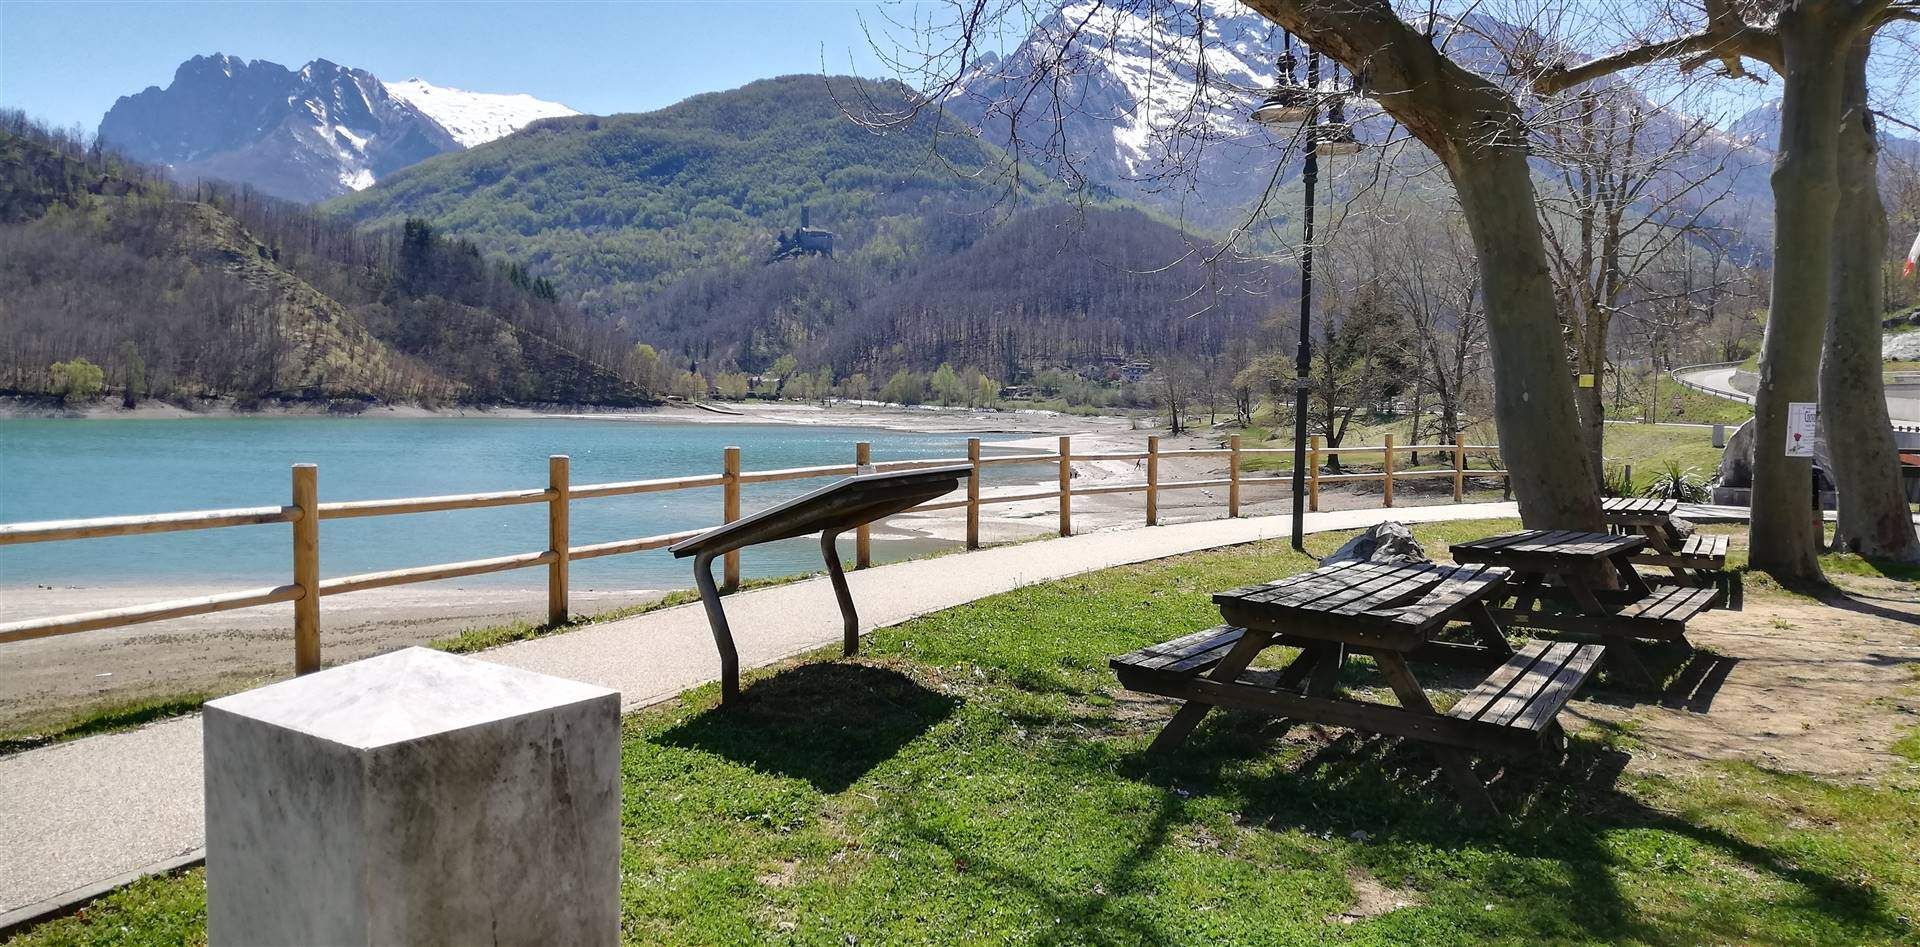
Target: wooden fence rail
(304,513)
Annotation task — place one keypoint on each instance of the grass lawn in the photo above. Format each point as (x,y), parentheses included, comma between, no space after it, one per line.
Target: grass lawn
(1679,403)
(1648,447)
(1651,447)
(978,777)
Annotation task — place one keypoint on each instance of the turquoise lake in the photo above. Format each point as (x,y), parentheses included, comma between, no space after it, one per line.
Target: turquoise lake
(60,469)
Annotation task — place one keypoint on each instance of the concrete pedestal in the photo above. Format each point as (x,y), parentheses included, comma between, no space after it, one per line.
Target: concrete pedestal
(414,798)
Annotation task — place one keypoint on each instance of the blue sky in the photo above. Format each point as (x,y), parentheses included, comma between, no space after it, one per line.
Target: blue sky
(67,62)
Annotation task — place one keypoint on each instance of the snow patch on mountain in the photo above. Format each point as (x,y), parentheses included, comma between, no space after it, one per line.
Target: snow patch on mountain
(474,118)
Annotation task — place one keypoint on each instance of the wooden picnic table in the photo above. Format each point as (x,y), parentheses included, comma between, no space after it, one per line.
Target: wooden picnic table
(1582,564)
(1698,557)
(1392,613)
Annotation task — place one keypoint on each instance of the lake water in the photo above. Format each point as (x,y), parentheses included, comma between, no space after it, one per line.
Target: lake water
(59,469)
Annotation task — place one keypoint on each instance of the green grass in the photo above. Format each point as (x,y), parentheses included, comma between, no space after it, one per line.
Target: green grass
(978,777)
(120,715)
(1651,447)
(1648,447)
(1682,404)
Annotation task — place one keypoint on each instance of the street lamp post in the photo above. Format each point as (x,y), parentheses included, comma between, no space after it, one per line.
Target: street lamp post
(1303,358)
(1286,105)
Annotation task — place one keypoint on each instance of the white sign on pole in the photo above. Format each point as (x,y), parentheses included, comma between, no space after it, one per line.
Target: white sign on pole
(1802,418)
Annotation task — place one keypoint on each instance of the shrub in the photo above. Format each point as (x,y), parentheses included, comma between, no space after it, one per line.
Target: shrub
(77,380)
(1676,483)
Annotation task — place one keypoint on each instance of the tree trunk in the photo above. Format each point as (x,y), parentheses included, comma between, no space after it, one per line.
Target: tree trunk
(1593,421)
(1533,401)
(1805,190)
(1853,406)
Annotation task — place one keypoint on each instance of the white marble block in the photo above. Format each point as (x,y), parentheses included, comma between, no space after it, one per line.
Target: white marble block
(414,798)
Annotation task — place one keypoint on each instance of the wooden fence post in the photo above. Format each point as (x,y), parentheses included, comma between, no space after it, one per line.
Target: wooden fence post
(557,542)
(1233,477)
(306,569)
(1459,467)
(730,511)
(1066,485)
(1388,454)
(973,494)
(1153,480)
(863,537)
(1313,474)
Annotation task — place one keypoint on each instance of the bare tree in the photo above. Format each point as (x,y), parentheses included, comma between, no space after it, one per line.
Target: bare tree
(1632,187)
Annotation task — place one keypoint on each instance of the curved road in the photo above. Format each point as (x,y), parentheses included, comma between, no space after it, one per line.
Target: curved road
(1718,381)
(1903,401)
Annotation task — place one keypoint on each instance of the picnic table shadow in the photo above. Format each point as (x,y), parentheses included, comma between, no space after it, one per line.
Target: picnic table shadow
(828,723)
(1391,789)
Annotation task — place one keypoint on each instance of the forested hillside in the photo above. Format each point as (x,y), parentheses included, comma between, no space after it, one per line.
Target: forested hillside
(184,295)
(1054,287)
(666,222)
(615,208)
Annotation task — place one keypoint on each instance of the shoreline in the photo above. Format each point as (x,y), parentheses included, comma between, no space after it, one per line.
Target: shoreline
(920,419)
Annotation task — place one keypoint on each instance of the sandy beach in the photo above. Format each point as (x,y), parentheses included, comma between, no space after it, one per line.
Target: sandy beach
(51,678)
(928,419)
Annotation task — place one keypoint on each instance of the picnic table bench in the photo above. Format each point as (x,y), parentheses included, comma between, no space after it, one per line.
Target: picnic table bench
(1698,556)
(1392,613)
(1581,563)
(831,510)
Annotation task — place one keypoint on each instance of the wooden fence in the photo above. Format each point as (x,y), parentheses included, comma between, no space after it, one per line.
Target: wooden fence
(305,513)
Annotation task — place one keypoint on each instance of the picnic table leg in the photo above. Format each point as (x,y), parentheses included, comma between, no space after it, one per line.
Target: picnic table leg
(849,619)
(1657,538)
(1487,628)
(1457,765)
(1530,584)
(1193,711)
(1297,669)
(722,634)
(1326,670)
(1619,651)
(1630,578)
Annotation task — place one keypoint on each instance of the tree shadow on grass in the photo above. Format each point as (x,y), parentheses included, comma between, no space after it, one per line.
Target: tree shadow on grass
(828,723)
(1557,810)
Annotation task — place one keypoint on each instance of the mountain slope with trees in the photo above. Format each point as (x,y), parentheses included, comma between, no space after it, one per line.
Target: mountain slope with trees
(166,293)
(614,208)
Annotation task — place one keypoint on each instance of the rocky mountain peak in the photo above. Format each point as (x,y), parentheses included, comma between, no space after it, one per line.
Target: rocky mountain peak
(325,130)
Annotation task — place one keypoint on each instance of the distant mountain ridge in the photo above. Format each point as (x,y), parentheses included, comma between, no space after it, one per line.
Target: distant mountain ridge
(305,135)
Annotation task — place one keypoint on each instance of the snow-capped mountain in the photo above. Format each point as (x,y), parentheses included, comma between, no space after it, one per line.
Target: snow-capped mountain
(1139,117)
(309,135)
(1147,118)
(475,118)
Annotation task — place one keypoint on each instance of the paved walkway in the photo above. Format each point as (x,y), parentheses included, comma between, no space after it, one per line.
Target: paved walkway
(107,808)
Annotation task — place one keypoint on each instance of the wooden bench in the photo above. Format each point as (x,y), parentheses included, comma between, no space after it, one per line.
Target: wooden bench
(1703,553)
(1525,695)
(1182,657)
(1661,615)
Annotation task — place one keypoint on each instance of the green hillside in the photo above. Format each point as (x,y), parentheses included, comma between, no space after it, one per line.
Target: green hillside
(616,208)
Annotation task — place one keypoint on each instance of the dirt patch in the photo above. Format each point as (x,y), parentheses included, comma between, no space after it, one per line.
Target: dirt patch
(1371,898)
(780,877)
(1817,686)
